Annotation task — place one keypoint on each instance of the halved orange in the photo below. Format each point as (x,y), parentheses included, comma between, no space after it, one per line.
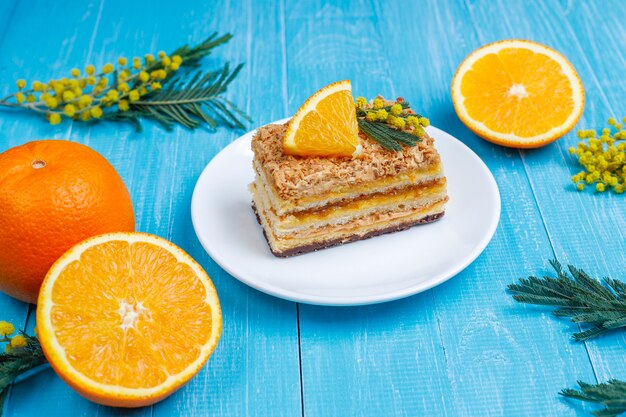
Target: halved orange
(127,318)
(325,125)
(518,93)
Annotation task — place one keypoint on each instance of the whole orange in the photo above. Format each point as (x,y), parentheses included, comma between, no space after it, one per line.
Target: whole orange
(53,194)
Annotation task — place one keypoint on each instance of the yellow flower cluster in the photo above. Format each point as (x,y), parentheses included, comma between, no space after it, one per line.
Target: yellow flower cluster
(15,342)
(603,158)
(6,329)
(396,109)
(395,115)
(398,122)
(379,115)
(87,96)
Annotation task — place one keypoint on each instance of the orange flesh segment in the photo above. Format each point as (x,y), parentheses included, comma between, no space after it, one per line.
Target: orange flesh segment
(144,318)
(325,125)
(330,128)
(518,85)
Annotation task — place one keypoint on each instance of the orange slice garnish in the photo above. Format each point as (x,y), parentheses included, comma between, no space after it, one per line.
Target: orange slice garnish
(518,93)
(325,125)
(127,318)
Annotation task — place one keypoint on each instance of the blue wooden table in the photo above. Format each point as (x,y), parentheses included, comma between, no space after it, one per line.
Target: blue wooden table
(464,348)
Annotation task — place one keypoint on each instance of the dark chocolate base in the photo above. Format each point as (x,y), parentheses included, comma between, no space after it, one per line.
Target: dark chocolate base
(336,242)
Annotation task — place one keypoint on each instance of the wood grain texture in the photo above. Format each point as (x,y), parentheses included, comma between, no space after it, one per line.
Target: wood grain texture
(591,231)
(256,363)
(17,64)
(25,56)
(368,360)
(462,349)
(586,229)
(491,346)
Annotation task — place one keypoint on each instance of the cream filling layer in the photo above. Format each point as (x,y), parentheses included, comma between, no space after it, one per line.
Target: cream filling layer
(359,229)
(287,206)
(363,207)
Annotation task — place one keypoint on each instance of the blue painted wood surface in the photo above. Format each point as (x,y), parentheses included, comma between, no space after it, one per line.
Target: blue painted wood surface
(462,349)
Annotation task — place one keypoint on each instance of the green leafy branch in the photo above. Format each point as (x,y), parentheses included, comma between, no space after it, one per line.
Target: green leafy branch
(587,301)
(18,360)
(391,124)
(388,137)
(169,89)
(193,55)
(189,103)
(579,297)
(611,394)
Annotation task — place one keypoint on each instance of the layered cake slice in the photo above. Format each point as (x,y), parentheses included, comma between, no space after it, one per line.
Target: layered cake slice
(306,203)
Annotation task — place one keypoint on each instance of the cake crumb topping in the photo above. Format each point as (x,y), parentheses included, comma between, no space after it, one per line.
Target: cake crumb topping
(294,176)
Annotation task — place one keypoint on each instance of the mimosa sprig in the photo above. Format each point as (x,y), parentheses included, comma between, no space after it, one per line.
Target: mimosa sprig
(21,354)
(391,124)
(169,89)
(603,158)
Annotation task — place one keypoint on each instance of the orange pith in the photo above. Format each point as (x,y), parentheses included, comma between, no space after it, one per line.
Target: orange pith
(127,318)
(518,93)
(325,125)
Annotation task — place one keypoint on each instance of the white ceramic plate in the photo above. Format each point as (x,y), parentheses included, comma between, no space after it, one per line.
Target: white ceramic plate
(379,269)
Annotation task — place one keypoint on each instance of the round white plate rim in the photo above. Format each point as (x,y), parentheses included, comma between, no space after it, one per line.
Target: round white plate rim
(346,301)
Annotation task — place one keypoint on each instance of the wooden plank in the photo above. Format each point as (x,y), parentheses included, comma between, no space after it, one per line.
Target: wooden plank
(7,13)
(598,58)
(36,57)
(254,370)
(374,360)
(585,229)
(498,338)
(594,227)
(20,61)
(486,337)
(462,349)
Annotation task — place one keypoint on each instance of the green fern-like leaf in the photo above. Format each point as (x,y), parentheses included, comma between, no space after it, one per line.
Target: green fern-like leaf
(193,55)
(170,90)
(599,304)
(388,137)
(189,103)
(583,299)
(611,394)
(18,361)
